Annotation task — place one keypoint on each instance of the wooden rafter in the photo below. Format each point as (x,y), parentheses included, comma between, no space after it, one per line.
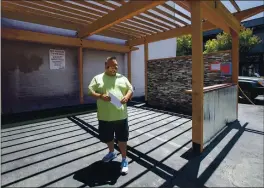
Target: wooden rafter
(187,29)
(99,14)
(176,11)
(169,16)
(162,19)
(91,5)
(152,20)
(29,36)
(128,32)
(145,21)
(120,14)
(249,12)
(42,6)
(17,12)
(219,15)
(142,21)
(22,8)
(108,4)
(233,2)
(132,28)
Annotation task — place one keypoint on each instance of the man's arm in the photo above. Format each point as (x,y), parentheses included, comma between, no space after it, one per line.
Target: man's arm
(92,89)
(129,93)
(93,86)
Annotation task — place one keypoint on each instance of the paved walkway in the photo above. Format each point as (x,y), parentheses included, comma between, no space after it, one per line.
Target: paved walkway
(66,153)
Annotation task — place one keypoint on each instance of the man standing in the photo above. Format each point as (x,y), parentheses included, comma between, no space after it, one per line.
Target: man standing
(112,119)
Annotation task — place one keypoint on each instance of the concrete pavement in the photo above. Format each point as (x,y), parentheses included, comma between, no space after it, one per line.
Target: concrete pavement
(66,153)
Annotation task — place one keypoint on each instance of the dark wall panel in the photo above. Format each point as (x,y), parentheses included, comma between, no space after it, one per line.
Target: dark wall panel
(29,84)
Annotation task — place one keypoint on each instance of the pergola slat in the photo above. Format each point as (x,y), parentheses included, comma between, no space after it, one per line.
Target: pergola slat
(143,21)
(56,9)
(154,21)
(22,8)
(162,19)
(125,27)
(176,11)
(122,13)
(133,19)
(170,16)
(233,2)
(81,8)
(54,21)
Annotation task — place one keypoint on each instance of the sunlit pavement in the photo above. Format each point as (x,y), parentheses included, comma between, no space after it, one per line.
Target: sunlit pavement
(66,153)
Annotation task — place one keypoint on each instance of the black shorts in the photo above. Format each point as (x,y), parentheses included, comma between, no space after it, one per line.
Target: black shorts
(109,129)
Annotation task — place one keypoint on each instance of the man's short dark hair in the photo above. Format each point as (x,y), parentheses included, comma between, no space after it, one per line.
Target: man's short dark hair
(110,59)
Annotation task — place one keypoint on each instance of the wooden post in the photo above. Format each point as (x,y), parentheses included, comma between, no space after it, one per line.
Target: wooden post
(235,59)
(197,76)
(80,63)
(146,69)
(129,66)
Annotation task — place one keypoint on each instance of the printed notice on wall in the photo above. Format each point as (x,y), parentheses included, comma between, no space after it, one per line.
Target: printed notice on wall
(57,59)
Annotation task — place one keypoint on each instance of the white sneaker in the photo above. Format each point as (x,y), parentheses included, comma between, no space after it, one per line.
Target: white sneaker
(124,166)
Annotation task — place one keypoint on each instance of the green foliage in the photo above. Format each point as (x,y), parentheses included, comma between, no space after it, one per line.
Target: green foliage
(223,41)
(184,45)
(247,40)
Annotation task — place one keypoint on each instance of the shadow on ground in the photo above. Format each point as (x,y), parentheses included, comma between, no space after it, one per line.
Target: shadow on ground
(99,173)
(187,176)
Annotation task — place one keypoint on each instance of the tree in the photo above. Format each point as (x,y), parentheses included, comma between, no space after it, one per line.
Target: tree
(223,41)
(184,45)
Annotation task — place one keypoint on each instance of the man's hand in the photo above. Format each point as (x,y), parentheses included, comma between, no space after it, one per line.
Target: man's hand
(105,97)
(124,100)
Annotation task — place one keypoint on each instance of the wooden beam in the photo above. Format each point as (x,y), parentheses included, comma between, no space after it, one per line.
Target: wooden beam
(29,36)
(220,16)
(129,66)
(80,63)
(120,14)
(187,29)
(146,57)
(197,76)
(216,20)
(235,60)
(233,2)
(161,36)
(249,12)
(98,45)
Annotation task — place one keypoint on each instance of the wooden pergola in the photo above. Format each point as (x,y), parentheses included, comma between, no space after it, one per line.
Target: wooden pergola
(137,22)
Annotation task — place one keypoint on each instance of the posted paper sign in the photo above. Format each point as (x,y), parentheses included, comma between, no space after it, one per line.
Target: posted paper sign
(115,101)
(216,66)
(57,59)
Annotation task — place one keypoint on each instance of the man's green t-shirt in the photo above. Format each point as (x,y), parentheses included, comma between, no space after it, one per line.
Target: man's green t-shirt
(118,85)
